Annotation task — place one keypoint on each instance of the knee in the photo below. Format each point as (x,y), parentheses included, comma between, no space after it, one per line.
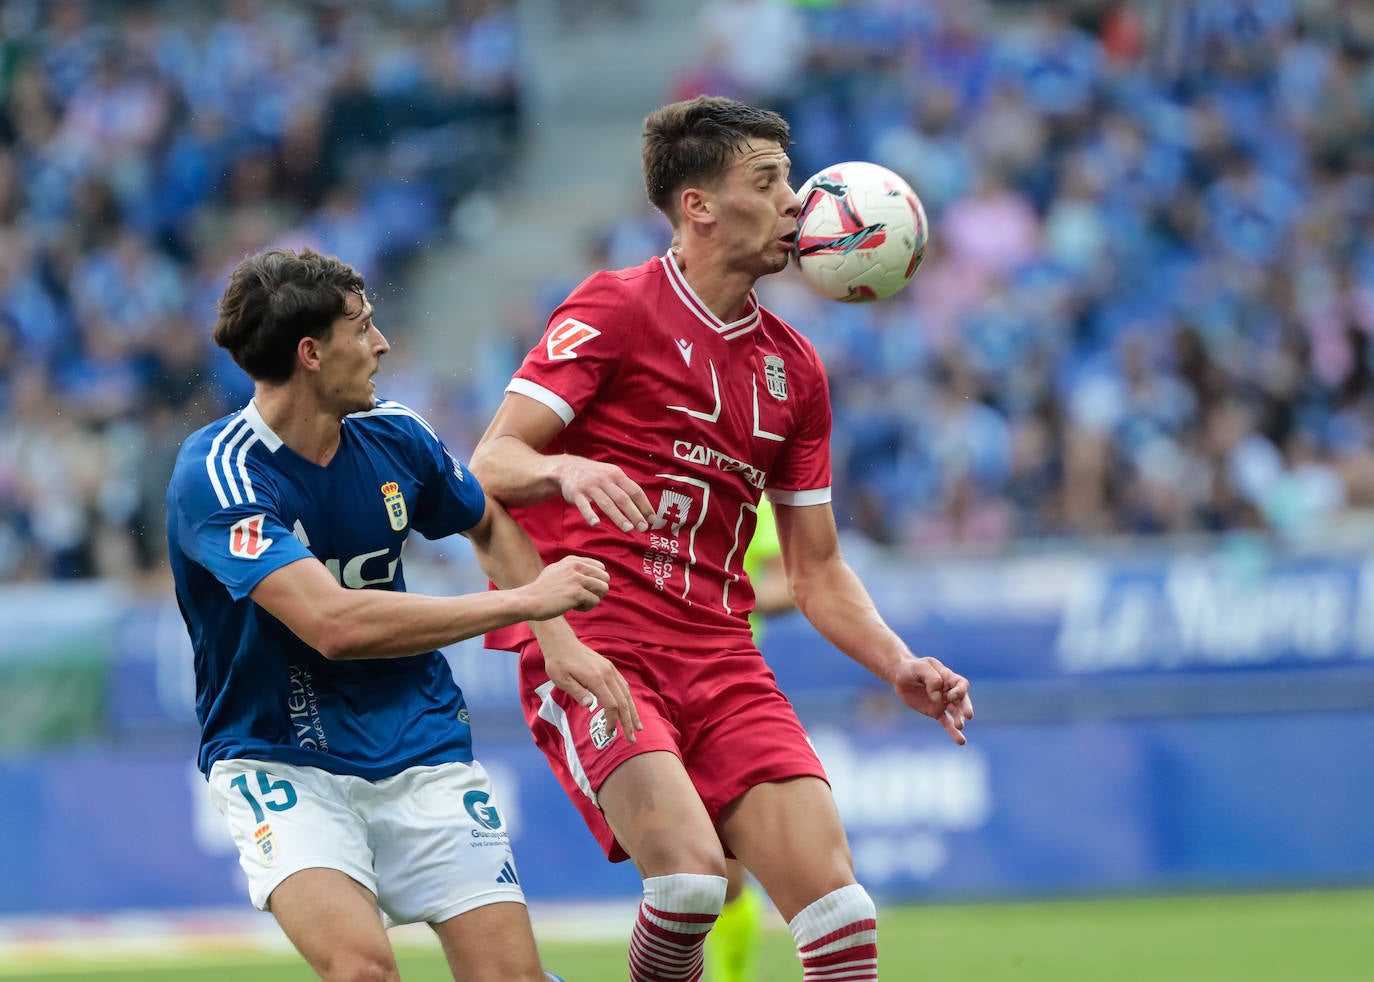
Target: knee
(677,855)
(361,966)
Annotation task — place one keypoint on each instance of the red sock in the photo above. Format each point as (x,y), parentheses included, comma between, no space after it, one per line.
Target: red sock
(677,912)
(837,937)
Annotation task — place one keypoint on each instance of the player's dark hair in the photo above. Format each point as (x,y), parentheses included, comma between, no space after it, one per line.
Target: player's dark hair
(274,299)
(695,142)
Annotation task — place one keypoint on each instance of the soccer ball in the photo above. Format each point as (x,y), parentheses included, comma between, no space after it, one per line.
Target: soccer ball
(861,234)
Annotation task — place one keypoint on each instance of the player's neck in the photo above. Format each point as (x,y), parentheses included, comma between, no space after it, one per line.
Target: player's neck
(299,421)
(724,291)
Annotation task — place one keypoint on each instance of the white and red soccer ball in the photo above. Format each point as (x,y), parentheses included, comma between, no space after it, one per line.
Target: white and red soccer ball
(861,234)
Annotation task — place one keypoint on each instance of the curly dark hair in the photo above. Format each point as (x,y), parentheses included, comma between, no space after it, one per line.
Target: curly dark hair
(275,298)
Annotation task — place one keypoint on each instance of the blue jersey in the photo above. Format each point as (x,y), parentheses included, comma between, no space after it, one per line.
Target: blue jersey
(242,504)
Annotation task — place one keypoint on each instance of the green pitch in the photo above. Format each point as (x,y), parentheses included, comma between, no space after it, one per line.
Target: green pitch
(1283,937)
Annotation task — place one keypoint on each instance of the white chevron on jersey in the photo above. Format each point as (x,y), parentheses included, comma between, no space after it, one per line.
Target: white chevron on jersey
(712,416)
(759,430)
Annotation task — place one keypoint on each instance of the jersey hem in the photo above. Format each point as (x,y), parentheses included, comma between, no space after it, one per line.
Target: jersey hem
(336,765)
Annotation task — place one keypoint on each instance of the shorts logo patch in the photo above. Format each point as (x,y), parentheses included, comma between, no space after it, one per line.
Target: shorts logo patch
(482,812)
(507,874)
(267,845)
(597,727)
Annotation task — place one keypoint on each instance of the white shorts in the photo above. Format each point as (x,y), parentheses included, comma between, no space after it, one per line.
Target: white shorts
(430,843)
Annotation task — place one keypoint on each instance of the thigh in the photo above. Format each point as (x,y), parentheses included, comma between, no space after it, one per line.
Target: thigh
(740,730)
(574,740)
(657,815)
(789,835)
(334,923)
(285,819)
(442,843)
(491,944)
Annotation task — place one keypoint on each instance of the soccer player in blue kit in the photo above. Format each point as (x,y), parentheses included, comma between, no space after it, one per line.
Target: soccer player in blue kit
(333,735)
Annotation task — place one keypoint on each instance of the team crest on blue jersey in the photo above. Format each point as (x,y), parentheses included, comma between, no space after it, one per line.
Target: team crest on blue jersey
(395,505)
(776,376)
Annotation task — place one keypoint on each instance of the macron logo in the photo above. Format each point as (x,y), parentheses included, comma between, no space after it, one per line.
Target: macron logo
(685,347)
(567,337)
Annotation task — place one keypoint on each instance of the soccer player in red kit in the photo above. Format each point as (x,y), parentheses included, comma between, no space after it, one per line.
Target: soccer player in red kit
(661,403)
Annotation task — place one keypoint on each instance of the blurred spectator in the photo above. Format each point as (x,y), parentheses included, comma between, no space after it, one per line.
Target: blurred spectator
(145,147)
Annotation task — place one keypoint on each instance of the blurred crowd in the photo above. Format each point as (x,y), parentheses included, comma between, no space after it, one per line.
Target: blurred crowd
(1148,298)
(1146,306)
(144,149)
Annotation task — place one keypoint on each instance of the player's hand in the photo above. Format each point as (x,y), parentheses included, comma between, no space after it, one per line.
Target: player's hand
(930,688)
(572,583)
(592,486)
(594,682)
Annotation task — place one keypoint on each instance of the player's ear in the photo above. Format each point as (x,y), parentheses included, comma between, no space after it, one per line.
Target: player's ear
(308,353)
(697,205)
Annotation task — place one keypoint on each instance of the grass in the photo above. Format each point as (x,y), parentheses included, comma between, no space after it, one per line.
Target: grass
(1279,937)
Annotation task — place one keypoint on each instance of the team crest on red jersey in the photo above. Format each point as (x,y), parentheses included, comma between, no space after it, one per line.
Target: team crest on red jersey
(776,376)
(246,539)
(567,337)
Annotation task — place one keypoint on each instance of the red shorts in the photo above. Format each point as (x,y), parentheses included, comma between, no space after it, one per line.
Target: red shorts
(720,712)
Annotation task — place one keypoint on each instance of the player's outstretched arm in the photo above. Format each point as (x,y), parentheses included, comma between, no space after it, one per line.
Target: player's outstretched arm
(510,559)
(831,596)
(511,469)
(344,624)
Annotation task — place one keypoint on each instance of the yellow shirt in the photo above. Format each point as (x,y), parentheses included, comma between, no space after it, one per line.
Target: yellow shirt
(762,549)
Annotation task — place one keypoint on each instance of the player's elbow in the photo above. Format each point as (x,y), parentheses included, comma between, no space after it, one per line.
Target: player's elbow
(333,649)
(482,466)
(334,635)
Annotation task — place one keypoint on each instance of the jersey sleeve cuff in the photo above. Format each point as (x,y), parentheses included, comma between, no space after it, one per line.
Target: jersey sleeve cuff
(535,391)
(815,496)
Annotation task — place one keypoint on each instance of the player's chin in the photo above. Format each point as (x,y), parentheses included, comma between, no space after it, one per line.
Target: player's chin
(776,260)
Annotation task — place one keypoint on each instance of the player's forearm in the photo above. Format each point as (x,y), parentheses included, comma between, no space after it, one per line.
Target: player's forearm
(513,473)
(838,605)
(386,624)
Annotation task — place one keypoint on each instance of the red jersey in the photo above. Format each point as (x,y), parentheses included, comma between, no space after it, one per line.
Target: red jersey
(703,415)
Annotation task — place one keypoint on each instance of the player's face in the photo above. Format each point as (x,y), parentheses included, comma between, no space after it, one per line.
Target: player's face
(349,359)
(758,209)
